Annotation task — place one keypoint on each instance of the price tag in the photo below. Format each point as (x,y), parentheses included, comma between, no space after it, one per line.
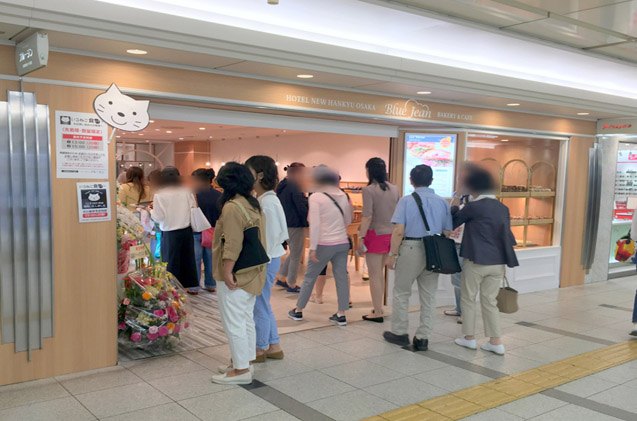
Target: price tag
(138,252)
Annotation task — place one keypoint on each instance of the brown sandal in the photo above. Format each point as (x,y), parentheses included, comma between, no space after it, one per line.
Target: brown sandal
(275,355)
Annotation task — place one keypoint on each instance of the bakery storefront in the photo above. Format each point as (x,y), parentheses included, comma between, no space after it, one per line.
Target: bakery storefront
(72,324)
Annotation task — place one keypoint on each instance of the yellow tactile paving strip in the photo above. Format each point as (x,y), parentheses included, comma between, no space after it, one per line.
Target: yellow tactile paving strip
(466,402)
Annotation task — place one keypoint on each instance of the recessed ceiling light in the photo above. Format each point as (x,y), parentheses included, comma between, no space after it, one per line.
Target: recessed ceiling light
(140,134)
(157,130)
(169,131)
(583,113)
(207,164)
(181,138)
(305,76)
(423,93)
(147,141)
(137,52)
(504,140)
(202,128)
(117,137)
(276,163)
(152,121)
(513,104)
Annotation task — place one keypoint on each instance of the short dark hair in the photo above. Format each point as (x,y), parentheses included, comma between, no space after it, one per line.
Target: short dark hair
(480,181)
(170,177)
(421,176)
(325,176)
(377,172)
(262,164)
(294,167)
(205,175)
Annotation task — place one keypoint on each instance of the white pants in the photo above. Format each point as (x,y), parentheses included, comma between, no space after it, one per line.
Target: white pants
(237,310)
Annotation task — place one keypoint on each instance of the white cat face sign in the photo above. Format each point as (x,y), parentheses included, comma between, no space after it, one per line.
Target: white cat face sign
(121,111)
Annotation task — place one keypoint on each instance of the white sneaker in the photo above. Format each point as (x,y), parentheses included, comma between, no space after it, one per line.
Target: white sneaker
(634,331)
(245,378)
(223,369)
(471,344)
(496,349)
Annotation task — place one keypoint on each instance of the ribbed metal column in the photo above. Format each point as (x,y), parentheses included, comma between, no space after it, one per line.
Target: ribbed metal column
(26,278)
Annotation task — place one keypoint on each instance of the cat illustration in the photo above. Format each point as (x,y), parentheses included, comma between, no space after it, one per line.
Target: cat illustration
(93,197)
(121,111)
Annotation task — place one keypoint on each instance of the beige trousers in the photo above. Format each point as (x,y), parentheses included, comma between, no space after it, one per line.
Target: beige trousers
(375,266)
(410,267)
(485,279)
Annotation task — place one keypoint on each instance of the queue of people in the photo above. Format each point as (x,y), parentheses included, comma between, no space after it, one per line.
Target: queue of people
(255,217)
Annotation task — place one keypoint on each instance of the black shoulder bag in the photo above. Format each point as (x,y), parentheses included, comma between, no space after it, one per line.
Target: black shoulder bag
(349,239)
(252,253)
(440,251)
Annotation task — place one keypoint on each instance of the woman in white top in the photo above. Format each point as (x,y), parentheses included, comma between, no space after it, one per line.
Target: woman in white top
(171,209)
(266,175)
(329,216)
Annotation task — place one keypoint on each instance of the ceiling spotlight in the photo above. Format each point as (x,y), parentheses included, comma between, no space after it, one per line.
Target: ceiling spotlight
(117,137)
(276,163)
(181,138)
(223,163)
(169,131)
(305,76)
(207,164)
(150,165)
(152,121)
(513,104)
(423,93)
(202,128)
(137,52)
(140,134)
(504,140)
(147,141)
(583,113)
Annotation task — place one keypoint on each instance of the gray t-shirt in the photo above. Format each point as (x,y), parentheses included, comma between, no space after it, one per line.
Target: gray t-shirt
(380,206)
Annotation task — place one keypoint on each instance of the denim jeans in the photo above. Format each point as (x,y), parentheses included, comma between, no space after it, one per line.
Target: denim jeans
(635,309)
(264,320)
(203,255)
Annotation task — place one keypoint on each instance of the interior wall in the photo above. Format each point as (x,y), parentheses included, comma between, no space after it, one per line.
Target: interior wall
(84,256)
(346,153)
(191,155)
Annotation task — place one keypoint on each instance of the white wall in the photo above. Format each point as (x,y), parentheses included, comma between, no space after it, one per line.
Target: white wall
(346,153)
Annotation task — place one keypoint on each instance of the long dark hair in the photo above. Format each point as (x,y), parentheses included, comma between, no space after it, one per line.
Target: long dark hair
(265,165)
(135,176)
(236,179)
(377,172)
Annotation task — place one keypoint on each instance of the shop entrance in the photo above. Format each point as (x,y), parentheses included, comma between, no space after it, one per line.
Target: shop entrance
(189,145)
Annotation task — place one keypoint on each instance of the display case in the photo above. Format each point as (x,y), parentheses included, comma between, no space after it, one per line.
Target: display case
(526,170)
(625,198)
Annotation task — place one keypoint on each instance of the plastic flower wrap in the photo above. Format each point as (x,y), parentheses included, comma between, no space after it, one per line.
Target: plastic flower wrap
(155,309)
(129,227)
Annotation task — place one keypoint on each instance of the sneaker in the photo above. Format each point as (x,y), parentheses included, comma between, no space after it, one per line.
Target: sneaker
(222,369)
(294,290)
(496,349)
(282,284)
(421,344)
(245,378)
(634,331)
(467,343)
(338,320)
(295,315)
(392,338)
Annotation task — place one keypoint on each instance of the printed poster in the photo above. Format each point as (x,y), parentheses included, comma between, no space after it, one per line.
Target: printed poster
(81,145)
(93,202)
(436,150)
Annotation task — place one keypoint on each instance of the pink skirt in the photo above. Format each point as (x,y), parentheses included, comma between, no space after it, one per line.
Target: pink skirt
(377,244)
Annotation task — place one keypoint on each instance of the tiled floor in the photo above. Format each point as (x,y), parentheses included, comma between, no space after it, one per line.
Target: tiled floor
(349,373)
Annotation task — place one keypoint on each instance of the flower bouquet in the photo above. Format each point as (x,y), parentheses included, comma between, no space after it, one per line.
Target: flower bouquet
(130,232)
(154,310)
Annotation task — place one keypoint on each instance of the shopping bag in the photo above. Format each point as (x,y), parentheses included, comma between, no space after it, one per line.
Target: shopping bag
(207,237)
(507,298)
(198,220)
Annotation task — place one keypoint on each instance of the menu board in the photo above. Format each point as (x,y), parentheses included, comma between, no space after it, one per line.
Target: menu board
(625,183)
(82,145)
(436,150)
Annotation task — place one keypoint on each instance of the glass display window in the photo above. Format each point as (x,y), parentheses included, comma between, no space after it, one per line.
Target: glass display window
(526,171)
(625,197)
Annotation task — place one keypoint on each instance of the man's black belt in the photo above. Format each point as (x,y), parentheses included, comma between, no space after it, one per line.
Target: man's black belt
(414,238)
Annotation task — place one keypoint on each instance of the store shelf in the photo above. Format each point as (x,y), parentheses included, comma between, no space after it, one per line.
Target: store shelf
(525,194)
(519,222)
(525,222)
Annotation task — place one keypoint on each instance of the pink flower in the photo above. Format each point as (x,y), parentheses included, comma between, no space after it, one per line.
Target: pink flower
(136,337)
(121,326)
(186,325)
(126,301)
(151,336)
(163,331)
(175,293)
(172,314)
(177,329)
(153,330)
(158,313)
(163,296)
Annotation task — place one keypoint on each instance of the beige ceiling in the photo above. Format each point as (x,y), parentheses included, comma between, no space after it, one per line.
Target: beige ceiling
(183,131)
(606,27)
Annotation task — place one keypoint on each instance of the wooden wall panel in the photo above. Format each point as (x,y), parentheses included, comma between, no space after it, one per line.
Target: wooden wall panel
(572,272)
(85,319)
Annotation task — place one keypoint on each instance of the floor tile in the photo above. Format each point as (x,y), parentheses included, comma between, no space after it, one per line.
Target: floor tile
(621,396)
(204,360)
(103,379)
(532,406)
(273,416)
(366,347)
(327,336)
(296,342)
(587,386)
(574,345)
(453,350)
(119,400)
(407,362)
(509,364)
(189,385)
(493,415)
(542,353)
(31,392)
(620,374)
(219,353)
(320,357)
(65,409)
(159,367)
(352,406)
(230,405)
(574,413)
(277,369)
(452,378)
(306,387)
(405,391)
(362,373)
(168,412)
